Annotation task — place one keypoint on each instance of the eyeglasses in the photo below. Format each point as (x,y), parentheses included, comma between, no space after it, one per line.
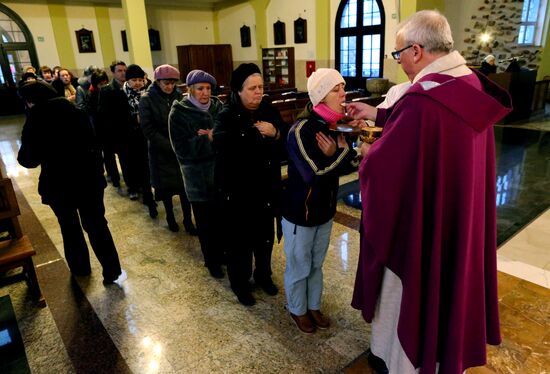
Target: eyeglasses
(397,54)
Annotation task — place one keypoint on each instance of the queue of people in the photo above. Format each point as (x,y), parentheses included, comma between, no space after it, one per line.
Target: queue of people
(426,278)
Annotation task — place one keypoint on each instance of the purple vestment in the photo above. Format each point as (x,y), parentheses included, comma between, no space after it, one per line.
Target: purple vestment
(429,216)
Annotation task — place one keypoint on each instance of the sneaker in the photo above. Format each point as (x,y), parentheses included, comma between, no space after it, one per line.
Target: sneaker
(376,363)
(133,195)
(319,319)
(303,323)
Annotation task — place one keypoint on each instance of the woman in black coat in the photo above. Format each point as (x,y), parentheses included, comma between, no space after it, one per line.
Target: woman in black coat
(58,137)
(118,117)
(166,178)
(248,143)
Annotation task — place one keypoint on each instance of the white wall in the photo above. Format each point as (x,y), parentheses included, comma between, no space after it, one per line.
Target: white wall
(179,27)
(37,19)
(288,11)
(79,17)
(116,16)
(230,21)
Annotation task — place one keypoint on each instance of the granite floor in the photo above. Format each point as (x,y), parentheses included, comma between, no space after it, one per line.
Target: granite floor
(167,315)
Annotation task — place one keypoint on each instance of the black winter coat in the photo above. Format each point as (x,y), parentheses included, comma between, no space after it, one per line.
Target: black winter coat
(59,137)
(248,166)
(116,124)
(154,109)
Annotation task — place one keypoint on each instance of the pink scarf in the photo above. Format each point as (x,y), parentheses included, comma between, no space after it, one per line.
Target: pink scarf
(328,114)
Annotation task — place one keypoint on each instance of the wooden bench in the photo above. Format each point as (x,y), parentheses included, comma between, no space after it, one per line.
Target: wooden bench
(16,250)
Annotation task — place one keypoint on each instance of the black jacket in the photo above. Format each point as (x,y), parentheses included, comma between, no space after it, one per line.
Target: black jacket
(248,167)
(58,137)
(154,108)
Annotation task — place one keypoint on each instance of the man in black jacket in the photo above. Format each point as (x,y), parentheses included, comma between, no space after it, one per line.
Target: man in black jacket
(58,137)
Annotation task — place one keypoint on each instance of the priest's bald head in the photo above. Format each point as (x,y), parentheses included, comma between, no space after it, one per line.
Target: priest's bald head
(421,39)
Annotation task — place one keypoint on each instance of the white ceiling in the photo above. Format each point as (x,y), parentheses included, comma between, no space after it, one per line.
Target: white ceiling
(188,4)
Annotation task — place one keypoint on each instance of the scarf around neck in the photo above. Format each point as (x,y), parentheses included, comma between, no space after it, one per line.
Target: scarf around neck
(195,102)
(133,97)
(328,114)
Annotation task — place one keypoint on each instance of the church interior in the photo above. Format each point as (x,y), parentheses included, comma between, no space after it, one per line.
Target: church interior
(166,314)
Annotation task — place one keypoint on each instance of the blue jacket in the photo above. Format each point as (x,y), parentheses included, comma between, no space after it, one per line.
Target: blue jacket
(312,185)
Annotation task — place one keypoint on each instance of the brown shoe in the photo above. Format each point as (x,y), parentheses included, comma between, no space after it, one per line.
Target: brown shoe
(319,319)
(303,323)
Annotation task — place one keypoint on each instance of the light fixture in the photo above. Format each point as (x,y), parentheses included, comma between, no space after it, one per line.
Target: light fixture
(485,37)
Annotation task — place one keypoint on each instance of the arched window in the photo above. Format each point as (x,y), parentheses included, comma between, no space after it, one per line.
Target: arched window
(16,51)
(360,40)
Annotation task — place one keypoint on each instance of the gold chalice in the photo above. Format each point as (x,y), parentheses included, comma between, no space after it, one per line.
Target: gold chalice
(370,134)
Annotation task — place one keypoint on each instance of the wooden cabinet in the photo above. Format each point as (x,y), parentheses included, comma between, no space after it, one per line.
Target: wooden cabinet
(215,59)
(278,67)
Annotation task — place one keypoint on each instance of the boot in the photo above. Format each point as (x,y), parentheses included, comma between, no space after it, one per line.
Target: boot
(187,220)
(168,207)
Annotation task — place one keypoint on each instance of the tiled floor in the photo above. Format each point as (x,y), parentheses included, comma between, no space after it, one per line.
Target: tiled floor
(169,316)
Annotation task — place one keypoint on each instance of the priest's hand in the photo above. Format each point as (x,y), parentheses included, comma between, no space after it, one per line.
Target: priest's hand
(365,149)
(359,110)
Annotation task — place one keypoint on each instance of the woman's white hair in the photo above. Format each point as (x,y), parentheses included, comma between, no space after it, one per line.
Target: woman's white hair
(429,28)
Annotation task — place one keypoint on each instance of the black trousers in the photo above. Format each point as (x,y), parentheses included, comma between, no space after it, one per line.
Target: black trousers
(109,159)
(134,162)
(250,234)
(208,230)
(88,213)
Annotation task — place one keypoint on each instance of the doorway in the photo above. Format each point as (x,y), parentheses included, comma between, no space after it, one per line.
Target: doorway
(17,51)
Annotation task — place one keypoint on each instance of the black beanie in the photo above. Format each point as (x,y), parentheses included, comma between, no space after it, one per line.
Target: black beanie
(241,73)
(134,71)
(37,91)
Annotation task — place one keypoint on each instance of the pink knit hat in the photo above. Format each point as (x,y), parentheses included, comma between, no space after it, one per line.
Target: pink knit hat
(167,72)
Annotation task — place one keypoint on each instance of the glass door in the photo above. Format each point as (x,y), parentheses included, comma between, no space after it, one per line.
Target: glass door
(16,52)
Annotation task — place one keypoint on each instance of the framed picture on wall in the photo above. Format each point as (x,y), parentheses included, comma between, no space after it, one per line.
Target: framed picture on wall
(279,33)
(85,41)
(124,40)
(300,31)
(245,36)
(154,39)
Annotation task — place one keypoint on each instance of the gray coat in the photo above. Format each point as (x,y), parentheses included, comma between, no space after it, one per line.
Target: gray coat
(195,153)
(154,108)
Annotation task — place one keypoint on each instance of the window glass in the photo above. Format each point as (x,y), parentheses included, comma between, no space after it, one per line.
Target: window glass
(533,10)
(371,13)
(347,56)
(349,17)
(371,56)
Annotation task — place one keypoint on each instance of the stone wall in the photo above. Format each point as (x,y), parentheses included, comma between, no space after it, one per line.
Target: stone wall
(501,18)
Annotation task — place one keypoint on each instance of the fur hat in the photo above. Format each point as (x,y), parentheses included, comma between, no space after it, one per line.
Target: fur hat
(199,76)
(37,92)
(321,82)
(167,72)
(134,71)
(241,73)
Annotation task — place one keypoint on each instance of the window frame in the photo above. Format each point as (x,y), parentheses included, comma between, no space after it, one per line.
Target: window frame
(359,32)
(538,24)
